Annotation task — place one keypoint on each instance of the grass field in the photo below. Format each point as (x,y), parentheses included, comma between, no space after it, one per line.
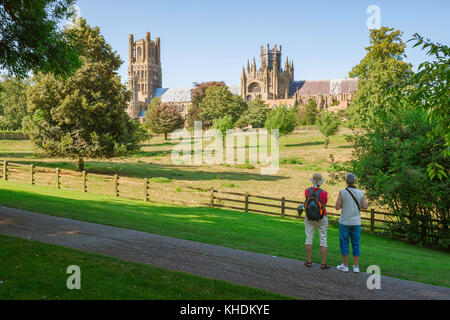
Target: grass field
(253,232)
(301,155)
(37,271)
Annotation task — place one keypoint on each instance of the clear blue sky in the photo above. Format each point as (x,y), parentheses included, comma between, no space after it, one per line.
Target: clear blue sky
(211,40)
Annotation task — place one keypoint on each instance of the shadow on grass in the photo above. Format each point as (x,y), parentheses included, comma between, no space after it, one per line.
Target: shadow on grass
(305,144)
(150,170)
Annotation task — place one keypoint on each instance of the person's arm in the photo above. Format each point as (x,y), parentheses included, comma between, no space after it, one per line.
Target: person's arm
(339,202)
(364,204)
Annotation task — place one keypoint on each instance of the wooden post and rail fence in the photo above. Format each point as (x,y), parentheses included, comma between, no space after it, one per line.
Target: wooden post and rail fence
(139,188)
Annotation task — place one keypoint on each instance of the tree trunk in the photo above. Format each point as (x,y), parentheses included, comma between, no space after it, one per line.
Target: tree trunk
(327,141)
(165,136)
(81,164)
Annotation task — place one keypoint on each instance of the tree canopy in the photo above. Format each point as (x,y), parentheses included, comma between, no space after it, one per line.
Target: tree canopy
(282,119)
(379,72)
(83,115)
(219,102)
(164,118)
(30,39)
(13,102)
(328,123)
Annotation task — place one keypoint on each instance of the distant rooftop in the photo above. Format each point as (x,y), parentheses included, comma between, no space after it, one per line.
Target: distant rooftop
(316,87)
(184,94)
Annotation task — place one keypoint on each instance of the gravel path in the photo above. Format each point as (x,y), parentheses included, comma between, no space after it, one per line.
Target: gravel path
(285,276)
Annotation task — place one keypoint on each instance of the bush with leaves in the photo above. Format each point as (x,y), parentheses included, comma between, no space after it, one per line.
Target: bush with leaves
(328,123)
(391,163)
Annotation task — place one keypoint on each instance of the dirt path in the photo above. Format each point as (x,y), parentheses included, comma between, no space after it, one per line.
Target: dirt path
(286,276)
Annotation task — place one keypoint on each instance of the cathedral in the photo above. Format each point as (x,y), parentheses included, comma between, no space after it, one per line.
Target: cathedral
(144,72)
(275,85)
(270,82)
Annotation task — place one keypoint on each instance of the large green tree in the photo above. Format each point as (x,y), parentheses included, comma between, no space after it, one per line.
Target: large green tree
(219,102)
(83,115)
(13,102)
(30,38)
(380,71)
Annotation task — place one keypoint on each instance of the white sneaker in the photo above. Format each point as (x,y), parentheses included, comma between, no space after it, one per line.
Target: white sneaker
(356,269)
(343,268)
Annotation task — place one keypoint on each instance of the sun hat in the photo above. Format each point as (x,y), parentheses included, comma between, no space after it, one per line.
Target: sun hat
(317,180)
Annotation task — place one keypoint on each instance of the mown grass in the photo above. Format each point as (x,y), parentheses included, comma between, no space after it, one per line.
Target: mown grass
(37,271)
(253,232)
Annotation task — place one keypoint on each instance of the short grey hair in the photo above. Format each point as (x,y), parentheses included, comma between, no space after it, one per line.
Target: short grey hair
(350,178)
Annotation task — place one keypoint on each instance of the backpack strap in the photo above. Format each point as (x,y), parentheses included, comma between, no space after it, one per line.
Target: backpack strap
(353,198)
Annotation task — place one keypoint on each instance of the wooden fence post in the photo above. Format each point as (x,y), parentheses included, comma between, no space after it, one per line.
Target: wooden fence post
(146,189)
(32,173)
(5,170)
(116,185)
(83,178)
(246,201)
(212,198)
(372,220)
(283,206)
(57,178)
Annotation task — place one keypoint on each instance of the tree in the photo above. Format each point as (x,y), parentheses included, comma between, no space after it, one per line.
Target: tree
(154,103)
(83,115)
(311,112)
(255,115)
(224,124)
(432,88)
(164,119)
(282,119)
(193,115)
(328,123)
(31,40)
(391,163)
(199,91)
(379,72)
(197,95)
(219,102)
(13,102)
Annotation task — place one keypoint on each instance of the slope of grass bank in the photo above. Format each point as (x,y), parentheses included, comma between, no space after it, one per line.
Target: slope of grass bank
(246,231)
(37,271)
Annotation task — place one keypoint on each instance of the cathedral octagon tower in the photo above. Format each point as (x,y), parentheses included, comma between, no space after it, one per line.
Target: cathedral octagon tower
(270,81)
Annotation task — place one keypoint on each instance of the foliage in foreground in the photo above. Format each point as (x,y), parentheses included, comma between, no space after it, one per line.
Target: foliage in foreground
(31,40)
(405,129)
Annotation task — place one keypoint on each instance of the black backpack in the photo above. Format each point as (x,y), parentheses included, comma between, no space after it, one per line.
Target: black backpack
(314,206)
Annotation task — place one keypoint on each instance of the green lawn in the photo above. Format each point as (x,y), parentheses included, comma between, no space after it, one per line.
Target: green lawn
(253,232)
(32,270)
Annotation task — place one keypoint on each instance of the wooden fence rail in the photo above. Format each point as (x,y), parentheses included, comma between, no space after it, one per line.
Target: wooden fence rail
(139,188)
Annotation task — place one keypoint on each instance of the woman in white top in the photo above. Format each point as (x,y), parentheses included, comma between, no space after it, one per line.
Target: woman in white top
(351,200)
